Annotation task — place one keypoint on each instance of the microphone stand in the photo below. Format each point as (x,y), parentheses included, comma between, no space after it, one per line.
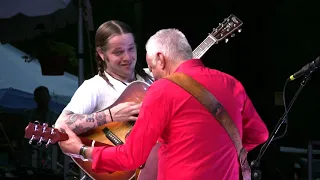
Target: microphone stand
(255,164)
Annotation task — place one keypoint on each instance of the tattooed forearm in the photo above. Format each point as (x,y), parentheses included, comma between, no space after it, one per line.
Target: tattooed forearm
(74,117)
(81,123)
(101,118)
(90,118)
(78,129)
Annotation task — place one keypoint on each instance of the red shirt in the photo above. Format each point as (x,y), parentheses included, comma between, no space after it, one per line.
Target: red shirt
(194,144)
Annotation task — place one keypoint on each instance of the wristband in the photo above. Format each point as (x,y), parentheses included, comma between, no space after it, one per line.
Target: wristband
(110,115)
(83,152)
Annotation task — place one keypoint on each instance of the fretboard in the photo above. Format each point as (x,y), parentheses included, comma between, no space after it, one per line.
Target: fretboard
(204,47)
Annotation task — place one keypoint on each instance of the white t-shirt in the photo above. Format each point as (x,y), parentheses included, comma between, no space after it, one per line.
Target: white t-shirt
(96,94)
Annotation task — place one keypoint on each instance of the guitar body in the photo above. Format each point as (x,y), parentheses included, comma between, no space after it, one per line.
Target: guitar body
(134,92)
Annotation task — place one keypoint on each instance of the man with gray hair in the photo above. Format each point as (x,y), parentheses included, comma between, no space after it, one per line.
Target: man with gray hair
(193,143)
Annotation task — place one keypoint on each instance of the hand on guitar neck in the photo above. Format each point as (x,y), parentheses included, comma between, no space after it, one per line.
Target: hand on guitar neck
(42,134)
(69,142)
(72,146)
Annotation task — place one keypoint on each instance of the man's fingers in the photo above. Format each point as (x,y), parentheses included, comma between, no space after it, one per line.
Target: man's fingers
(132,103)
(67,130)
(135,112)
(133,118)
(135,107)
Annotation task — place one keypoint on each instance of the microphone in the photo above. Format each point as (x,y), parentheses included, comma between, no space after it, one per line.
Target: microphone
(305,69)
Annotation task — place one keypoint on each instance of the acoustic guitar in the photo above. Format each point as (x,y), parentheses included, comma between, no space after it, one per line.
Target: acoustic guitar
(115,133)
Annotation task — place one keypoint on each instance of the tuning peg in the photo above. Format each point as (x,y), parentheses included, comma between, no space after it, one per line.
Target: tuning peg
(47,144)
(239,30)
(32,138)
(52,131)
(36,125)
(226,41)
(40,141)
(233,35)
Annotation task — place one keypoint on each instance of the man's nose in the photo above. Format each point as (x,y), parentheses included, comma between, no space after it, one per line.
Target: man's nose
(126,55)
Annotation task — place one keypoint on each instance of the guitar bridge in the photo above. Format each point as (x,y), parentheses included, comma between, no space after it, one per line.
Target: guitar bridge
(112,137)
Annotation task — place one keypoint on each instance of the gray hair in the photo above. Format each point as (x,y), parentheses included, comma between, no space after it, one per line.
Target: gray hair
(171,42)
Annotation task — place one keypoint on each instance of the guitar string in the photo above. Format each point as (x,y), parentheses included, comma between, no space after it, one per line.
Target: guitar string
(200,49)
(196,51)
(203,44)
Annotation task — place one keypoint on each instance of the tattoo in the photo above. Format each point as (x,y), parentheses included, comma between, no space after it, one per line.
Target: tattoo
(73,118)
(78,129)
(90,118)
(80,123)
(101,118)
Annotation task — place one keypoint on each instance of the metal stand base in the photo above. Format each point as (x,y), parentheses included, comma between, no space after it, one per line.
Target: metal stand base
(310,158)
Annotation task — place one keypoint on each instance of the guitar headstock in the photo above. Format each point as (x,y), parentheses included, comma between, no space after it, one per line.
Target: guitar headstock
(43,133)
(226,28)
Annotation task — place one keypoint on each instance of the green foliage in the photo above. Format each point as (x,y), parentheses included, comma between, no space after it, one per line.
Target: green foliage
(63,49)
(42,47)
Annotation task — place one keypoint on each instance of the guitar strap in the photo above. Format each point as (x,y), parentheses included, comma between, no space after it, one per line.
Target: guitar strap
(217,110)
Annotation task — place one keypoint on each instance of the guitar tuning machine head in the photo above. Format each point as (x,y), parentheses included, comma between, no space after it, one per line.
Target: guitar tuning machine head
(52,131)
(32,138)
(233,35)
(40,141)
(47,144)
(226,40)
(239,30)
(36,125)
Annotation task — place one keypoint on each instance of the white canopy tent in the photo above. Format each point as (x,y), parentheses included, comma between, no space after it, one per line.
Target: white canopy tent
(51,13)
(18,74)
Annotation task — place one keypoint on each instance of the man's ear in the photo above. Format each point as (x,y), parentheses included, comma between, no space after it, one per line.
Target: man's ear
(100,53)
(162,60)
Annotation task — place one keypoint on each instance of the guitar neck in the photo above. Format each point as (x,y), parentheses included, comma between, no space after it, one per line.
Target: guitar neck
(204,46)
(49,135)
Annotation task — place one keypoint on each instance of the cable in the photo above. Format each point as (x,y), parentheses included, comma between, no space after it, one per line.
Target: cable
(285,111)
(286,118)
